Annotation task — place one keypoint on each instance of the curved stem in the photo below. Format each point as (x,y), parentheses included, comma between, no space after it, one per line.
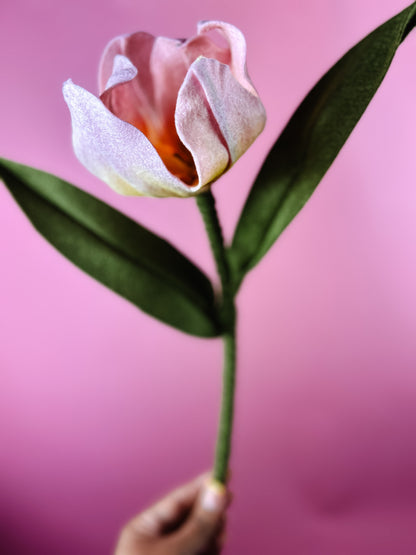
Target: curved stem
(206,205)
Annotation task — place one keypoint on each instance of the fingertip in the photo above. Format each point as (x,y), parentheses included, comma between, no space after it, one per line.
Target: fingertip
(214,497)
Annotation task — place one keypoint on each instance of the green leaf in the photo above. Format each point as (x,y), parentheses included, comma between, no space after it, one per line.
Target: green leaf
(311,141)
(115,250)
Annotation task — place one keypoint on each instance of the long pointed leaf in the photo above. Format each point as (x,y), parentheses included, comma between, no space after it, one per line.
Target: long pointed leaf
(311,141)
(115,250)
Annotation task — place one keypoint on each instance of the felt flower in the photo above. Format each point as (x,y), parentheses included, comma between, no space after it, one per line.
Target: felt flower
(172,115)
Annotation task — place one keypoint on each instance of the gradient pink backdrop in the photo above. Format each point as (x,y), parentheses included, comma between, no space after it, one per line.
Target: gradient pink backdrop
(102,409)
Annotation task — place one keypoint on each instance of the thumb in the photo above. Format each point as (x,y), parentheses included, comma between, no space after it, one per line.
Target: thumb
(206,519)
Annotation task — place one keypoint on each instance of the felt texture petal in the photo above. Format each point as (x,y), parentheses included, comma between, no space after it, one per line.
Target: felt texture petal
(153,114)
(124,98)
(123,71)
(173,114)
(117,152)
(199,131)
(203,45)
(238,50)
(169,62)
(137,48)
(168,68)
(240,115)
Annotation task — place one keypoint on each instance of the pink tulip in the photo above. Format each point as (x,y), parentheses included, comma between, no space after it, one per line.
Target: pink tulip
(172,115)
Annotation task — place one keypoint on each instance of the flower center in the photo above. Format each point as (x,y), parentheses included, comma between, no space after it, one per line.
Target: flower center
(176,157)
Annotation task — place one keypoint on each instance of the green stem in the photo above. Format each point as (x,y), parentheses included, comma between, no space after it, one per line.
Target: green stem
(206,205)
(223,447)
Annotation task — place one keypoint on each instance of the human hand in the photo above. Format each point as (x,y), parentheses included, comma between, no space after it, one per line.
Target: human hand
(188,521)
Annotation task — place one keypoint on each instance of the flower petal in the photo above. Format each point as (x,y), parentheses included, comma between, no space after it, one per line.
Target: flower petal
(173,115)
(123,71)
(117,152)
(240,115)
(151,106)
(124,98)
(127,101)
(199,132)
(203,45)
(168,68)
(137,48)
(237,45)
(149,102)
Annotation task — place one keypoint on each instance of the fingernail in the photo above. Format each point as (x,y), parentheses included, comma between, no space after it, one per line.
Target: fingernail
(214,496)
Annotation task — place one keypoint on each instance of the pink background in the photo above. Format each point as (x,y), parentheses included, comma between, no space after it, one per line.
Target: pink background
(102,409)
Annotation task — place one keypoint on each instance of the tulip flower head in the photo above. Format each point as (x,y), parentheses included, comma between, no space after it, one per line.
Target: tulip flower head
(172,115)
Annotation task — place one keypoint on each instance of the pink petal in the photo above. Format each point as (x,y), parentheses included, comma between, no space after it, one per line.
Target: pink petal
(137,48)
(123,71)
(117,152)
(128,102)
(168,70)
(199,131)
(151,106)
(162,64)
(123,97)
(169,62)
(176,110)
(203,45)
(237,46)
(168,65)
(239,114)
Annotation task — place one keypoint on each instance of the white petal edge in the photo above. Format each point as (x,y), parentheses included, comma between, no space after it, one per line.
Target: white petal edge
(117,152)
(118,45)
(106,65)
(240,115)
(198,130)
(123,71)
(237,45)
